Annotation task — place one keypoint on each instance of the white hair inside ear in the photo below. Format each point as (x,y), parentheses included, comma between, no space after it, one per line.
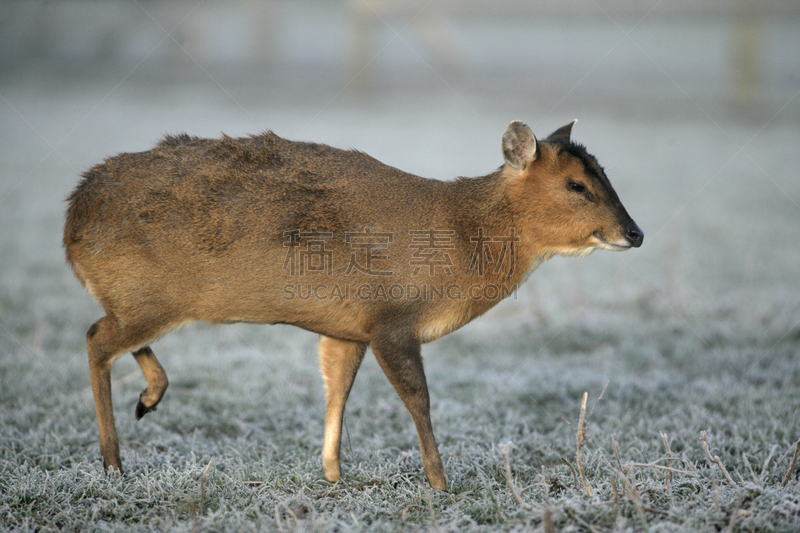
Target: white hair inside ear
(519,145)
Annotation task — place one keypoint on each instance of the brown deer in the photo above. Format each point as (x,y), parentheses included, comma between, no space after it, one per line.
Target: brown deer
(266,230)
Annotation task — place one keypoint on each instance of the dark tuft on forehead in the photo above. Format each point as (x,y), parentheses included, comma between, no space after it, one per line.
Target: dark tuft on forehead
(588,160)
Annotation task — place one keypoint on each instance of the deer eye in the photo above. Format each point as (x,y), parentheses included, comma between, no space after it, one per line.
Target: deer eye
(576,187)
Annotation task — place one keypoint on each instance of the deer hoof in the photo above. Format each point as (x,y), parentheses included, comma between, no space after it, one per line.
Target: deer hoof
(142,409)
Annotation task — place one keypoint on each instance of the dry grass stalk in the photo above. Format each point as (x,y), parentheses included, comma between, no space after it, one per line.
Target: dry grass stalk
(715,459)
(616,454)
(668,469)
(637,500)
(602,392)
(632,492)
(668,478)
(671,458)
(193,511)
(791,466)
(565,487)
(505,450)
(581,440)
(203,489)
(574,474)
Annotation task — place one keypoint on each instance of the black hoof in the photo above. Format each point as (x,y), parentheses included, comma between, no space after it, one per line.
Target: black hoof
(142,409)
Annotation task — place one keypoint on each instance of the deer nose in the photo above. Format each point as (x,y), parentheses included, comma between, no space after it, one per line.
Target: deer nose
(634,234)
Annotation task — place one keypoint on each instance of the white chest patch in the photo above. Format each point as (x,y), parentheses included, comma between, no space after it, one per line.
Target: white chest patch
(441,326)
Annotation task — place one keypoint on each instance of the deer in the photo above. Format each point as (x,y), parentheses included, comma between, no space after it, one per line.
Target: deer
(265,230)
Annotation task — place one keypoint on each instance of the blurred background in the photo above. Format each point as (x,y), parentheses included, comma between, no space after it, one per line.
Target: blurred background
(692,107)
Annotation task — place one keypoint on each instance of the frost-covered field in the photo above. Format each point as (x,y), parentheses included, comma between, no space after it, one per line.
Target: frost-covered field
(697,331)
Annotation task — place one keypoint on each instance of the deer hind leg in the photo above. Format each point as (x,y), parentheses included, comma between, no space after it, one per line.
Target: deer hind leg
(401,360)
(106,340)
(157,381)
(339,362)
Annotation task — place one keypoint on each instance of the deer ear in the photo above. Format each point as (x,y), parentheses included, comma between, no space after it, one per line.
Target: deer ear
(563,133)
(519,145)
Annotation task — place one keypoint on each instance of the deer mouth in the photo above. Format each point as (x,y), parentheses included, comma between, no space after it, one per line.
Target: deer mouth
(617,246)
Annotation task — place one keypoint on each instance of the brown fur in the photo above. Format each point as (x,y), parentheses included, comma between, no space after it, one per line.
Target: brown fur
(202,229)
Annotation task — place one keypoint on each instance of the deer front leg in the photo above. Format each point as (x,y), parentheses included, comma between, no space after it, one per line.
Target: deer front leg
(339,361)
(157,381)
(401,360)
